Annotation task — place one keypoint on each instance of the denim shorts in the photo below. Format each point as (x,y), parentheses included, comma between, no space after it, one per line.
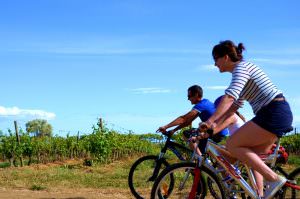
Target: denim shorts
(276,117)
(202,143)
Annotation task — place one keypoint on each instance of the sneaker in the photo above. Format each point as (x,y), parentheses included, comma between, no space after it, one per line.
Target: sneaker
(273,187)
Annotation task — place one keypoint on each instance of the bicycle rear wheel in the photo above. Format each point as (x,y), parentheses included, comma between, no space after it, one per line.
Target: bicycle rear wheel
(183,174)
(289,192)
(141,178)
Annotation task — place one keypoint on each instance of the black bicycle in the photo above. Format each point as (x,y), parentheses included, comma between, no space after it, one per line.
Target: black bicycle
(145,170)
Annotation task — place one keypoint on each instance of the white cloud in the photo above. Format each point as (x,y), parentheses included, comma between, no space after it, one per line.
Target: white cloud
(216,87)
(208,67)
(290,61)
(82,50)
(287,51)
(25,113)
(150,90)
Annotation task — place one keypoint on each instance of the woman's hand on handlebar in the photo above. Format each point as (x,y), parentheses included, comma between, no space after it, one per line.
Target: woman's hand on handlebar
(210,124)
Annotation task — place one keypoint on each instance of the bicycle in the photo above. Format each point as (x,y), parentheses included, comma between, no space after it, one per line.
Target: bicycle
(270,159)
(291,190)
(145,170)
(186,184)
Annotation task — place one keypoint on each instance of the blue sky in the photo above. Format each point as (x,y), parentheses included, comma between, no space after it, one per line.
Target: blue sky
(130,62)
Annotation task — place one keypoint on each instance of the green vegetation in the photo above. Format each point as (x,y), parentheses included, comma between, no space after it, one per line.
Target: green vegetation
(99,160)
(39,127)
(294,160)
(102,145)
(291,143)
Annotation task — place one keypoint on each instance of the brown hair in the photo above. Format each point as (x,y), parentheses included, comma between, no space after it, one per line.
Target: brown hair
(228,48)
(196,90)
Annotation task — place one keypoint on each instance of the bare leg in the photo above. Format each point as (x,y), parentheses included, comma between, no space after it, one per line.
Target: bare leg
(259,182)
(243,143)
(227,155)
(258,177)
(195,146)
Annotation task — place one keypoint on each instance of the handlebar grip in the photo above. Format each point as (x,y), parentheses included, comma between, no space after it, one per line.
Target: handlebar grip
(167,133)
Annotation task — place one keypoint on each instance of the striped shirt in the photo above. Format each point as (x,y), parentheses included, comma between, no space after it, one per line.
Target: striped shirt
(250,83)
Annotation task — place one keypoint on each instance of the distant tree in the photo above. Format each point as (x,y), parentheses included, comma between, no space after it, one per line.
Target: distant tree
(39,127)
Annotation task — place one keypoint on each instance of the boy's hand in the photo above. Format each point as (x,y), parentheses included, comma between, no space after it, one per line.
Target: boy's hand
(162,129)
(203,126)
(206,129)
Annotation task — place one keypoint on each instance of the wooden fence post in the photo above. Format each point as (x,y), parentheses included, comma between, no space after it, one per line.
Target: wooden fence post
(100,124)
(18,140)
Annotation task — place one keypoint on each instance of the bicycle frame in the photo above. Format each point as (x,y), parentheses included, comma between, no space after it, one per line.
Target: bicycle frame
(214,151)
(172,147)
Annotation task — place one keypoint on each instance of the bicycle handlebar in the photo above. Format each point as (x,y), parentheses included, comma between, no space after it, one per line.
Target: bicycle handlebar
(167,133)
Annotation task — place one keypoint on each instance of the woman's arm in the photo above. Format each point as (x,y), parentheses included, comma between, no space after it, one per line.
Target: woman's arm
(222,108)
(228,115)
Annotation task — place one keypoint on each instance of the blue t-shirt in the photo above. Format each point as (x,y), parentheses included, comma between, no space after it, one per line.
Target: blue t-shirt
(205,110)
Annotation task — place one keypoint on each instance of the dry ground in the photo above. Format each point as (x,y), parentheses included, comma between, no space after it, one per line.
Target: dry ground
(65,194)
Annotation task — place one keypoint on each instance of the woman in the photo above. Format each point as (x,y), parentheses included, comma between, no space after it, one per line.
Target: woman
(273,116)
(233,122)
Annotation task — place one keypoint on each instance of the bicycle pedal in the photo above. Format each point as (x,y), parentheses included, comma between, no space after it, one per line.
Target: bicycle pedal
(294,182)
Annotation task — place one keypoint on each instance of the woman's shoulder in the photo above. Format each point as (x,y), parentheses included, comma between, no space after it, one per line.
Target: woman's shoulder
(245,66)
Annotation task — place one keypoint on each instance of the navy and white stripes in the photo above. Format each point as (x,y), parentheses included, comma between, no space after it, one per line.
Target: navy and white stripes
(250,83)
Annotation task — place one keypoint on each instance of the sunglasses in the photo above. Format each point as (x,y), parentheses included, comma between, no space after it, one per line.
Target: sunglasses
(216,58)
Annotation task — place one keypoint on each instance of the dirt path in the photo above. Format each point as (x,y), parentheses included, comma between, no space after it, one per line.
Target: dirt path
(65,194)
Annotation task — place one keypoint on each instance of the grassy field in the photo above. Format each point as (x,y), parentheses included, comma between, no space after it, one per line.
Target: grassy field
(71,175)
(68,179)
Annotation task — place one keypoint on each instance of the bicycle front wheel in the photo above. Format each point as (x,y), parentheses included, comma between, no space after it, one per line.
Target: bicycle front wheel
(141,175)
(183,175)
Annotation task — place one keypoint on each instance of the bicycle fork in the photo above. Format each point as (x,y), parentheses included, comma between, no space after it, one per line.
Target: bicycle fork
(197,173)
(157,167)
